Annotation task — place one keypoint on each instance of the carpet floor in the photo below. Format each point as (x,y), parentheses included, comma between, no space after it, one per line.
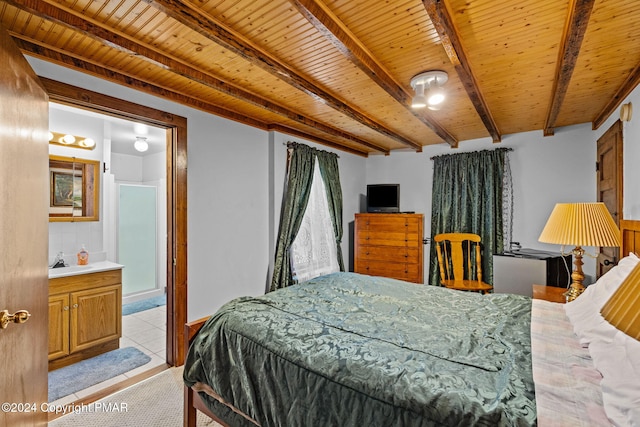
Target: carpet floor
(84,374)
(155,402)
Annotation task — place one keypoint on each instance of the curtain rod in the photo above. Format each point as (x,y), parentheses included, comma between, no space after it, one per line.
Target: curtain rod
(289,143)
(501,148)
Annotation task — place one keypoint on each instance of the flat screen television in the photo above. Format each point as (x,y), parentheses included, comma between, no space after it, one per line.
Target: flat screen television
(383,198)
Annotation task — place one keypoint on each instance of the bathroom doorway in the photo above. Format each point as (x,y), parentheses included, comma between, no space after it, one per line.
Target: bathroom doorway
(175,128)
(131,230)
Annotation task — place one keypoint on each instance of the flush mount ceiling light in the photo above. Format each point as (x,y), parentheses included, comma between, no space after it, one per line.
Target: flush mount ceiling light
(428,89)
(68,140)
(141,144)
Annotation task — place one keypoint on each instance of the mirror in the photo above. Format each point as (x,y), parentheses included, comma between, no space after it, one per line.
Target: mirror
(74,189)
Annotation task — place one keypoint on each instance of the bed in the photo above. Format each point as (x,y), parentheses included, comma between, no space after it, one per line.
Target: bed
(350,350)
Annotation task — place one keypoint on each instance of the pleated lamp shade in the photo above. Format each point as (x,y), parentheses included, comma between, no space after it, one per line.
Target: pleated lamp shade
(623,308)
(581,224)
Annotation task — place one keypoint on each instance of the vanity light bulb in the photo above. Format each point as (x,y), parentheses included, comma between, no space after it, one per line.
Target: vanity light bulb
(51,136)
(87,142)
(68,139)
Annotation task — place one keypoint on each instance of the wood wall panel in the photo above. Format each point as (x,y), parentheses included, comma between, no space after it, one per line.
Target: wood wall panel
(630,233)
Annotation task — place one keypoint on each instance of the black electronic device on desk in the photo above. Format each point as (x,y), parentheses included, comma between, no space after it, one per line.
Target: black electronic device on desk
(383,198)
(516,271)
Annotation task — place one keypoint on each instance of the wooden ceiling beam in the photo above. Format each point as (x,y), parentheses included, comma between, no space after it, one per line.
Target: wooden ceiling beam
(127,45)
(48,53)
(219,34)
(630,83)
(576,26)
(336,32)
(455,51)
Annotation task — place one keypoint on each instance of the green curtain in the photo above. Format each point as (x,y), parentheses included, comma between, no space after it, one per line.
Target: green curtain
(467,197)
(328,164)
(294,203)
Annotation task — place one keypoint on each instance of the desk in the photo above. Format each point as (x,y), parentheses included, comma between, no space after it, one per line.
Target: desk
(549,293)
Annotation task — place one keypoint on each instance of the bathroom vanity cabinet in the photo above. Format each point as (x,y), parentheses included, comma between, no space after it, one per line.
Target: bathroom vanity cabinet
(85,316)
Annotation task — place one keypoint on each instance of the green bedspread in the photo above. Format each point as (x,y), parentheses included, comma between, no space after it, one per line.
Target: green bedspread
(353,350)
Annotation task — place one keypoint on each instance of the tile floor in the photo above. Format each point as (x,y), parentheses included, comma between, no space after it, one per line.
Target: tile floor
(145,330)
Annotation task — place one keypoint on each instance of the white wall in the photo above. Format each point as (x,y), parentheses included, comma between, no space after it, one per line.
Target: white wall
(125,167)
(68,237)
(235,176)
(236,173)
(546,170)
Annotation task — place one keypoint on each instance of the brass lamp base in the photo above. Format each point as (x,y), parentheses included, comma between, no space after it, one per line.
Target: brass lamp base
(577,276)
(574,291)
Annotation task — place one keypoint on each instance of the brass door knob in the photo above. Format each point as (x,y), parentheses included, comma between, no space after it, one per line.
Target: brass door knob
(19,316)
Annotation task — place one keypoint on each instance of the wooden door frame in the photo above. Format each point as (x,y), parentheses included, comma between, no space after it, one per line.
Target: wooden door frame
(617,129)
(176,194)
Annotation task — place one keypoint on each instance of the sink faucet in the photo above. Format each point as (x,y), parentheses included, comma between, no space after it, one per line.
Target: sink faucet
(59,261)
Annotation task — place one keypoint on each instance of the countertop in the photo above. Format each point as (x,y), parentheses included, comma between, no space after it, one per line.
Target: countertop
(92,267)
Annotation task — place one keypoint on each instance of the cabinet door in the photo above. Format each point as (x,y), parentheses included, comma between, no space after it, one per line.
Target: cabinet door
(96,316)
(58,326)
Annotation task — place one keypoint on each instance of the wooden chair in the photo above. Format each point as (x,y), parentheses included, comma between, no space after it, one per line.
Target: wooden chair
(460,262)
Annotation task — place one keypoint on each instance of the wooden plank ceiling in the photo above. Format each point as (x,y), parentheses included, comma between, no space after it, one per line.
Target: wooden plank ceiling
(338,71)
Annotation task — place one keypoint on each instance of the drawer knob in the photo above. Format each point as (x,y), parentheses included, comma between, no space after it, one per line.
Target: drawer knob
(65,308)
(75,306)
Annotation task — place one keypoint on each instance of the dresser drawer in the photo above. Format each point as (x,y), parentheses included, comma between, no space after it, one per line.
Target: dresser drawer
(389,245)
(402,271)
(389,254)
(390,223)
(388,238)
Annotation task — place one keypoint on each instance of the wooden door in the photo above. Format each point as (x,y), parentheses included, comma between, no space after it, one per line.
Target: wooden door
(24,228)
(609,186)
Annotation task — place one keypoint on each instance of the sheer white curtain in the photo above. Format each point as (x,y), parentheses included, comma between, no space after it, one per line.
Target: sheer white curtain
(313,252)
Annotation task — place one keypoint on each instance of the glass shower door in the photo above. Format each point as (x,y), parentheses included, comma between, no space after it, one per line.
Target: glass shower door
(137,237)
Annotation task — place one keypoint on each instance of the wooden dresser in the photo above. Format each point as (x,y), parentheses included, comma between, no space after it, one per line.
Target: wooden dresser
(389,245)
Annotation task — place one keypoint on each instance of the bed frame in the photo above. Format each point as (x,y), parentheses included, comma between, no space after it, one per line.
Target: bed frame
(192,401)
(630,236)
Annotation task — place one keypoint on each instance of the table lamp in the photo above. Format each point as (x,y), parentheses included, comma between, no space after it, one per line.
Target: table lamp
(580,224)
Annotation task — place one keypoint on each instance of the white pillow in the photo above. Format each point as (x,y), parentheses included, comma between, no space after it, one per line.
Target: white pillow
(584,311)
(619,363)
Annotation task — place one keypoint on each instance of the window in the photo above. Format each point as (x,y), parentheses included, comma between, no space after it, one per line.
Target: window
(313,252)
